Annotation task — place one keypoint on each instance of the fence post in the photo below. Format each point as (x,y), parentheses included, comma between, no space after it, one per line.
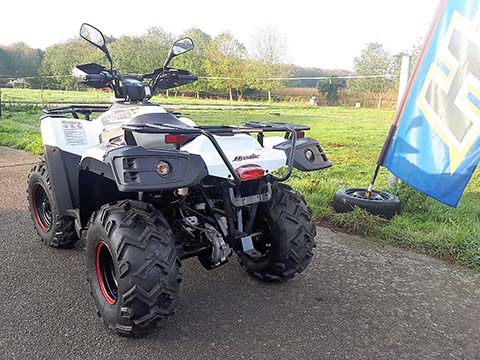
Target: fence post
(0,102)
(404,77)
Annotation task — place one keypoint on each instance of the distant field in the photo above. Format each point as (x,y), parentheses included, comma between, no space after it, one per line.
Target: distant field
(352,139)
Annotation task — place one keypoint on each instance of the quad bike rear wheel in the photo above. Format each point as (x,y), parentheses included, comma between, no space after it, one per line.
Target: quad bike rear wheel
(53,229)
(132,267)
(283,237)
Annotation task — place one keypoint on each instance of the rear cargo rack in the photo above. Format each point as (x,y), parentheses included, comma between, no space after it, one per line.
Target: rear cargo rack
(249,127)
(209,132)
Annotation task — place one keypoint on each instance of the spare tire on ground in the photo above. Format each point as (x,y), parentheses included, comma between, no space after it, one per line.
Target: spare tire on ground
(380,203)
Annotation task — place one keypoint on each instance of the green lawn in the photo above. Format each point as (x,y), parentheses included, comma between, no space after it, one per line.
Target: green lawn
(352,139)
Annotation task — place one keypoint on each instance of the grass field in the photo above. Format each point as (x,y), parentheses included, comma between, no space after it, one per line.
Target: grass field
(352,139)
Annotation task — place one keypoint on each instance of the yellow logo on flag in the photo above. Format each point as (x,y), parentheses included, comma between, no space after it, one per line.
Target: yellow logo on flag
(450,97)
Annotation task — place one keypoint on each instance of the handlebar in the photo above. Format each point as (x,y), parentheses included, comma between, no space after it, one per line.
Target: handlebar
(97,76)
(173,78)
(103,76)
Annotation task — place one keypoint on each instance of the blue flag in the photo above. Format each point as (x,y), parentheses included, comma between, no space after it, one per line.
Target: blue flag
(436,145)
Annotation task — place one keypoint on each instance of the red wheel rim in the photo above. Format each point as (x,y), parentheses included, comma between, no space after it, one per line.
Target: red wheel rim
(106,275)
(42,209)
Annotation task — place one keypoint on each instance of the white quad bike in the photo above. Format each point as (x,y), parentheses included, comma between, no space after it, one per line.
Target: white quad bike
(146,188)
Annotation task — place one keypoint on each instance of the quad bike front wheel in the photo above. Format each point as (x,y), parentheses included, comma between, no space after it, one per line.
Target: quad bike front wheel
(132,267)
(283,237)
(53,229)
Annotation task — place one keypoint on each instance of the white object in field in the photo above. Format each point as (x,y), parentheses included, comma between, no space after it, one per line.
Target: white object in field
(240,149)
(404,77)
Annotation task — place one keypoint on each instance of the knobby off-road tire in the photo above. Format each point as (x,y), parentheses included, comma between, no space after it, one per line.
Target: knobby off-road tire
(53,229)
(381,203)
(132,267)
(286,244)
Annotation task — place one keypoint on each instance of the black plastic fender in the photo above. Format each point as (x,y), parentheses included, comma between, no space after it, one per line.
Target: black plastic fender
(135,168)
(63,170)
(309,155)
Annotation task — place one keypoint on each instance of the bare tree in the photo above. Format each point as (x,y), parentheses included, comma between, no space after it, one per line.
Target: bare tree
(269,48)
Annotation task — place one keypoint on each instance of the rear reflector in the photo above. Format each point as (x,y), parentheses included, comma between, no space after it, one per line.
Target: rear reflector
(300,134)
(250,172)
(175,139)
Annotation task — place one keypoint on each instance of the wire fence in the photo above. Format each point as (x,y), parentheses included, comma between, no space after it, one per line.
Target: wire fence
(286,93)
(346,77)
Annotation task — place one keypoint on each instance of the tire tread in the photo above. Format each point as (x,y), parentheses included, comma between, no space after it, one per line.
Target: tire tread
(156,241)
(288,207)
(64,235)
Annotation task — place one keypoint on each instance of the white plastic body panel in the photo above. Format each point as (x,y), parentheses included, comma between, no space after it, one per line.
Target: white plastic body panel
(98,152)
(235,147)
(77,136)
(71,135)
(115,118)
(82,137)
(271,141)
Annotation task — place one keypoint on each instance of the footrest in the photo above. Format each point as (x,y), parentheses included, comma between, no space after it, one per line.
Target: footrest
(247,243)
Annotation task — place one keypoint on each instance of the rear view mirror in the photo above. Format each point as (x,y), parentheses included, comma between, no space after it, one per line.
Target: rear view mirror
(182,46)
(96,38)
(179,47)
(92,35)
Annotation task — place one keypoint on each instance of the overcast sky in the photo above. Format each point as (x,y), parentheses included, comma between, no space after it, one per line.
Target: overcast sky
(320,33)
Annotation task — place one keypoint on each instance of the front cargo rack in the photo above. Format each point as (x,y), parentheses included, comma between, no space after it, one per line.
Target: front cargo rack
(75,110)
(209,131)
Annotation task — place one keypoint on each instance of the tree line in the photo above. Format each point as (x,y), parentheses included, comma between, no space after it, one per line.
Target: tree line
(19,59)
(222,56)
(232,68)
(374,60)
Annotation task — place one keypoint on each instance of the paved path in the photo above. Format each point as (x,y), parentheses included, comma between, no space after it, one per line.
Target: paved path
(358,300)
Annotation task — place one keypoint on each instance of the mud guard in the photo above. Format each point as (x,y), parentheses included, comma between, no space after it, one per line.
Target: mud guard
(135,169)
(309,155)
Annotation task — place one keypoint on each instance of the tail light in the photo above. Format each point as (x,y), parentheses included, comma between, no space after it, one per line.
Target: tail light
(163,168)
(175,139)
(250,172)
(300,134)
